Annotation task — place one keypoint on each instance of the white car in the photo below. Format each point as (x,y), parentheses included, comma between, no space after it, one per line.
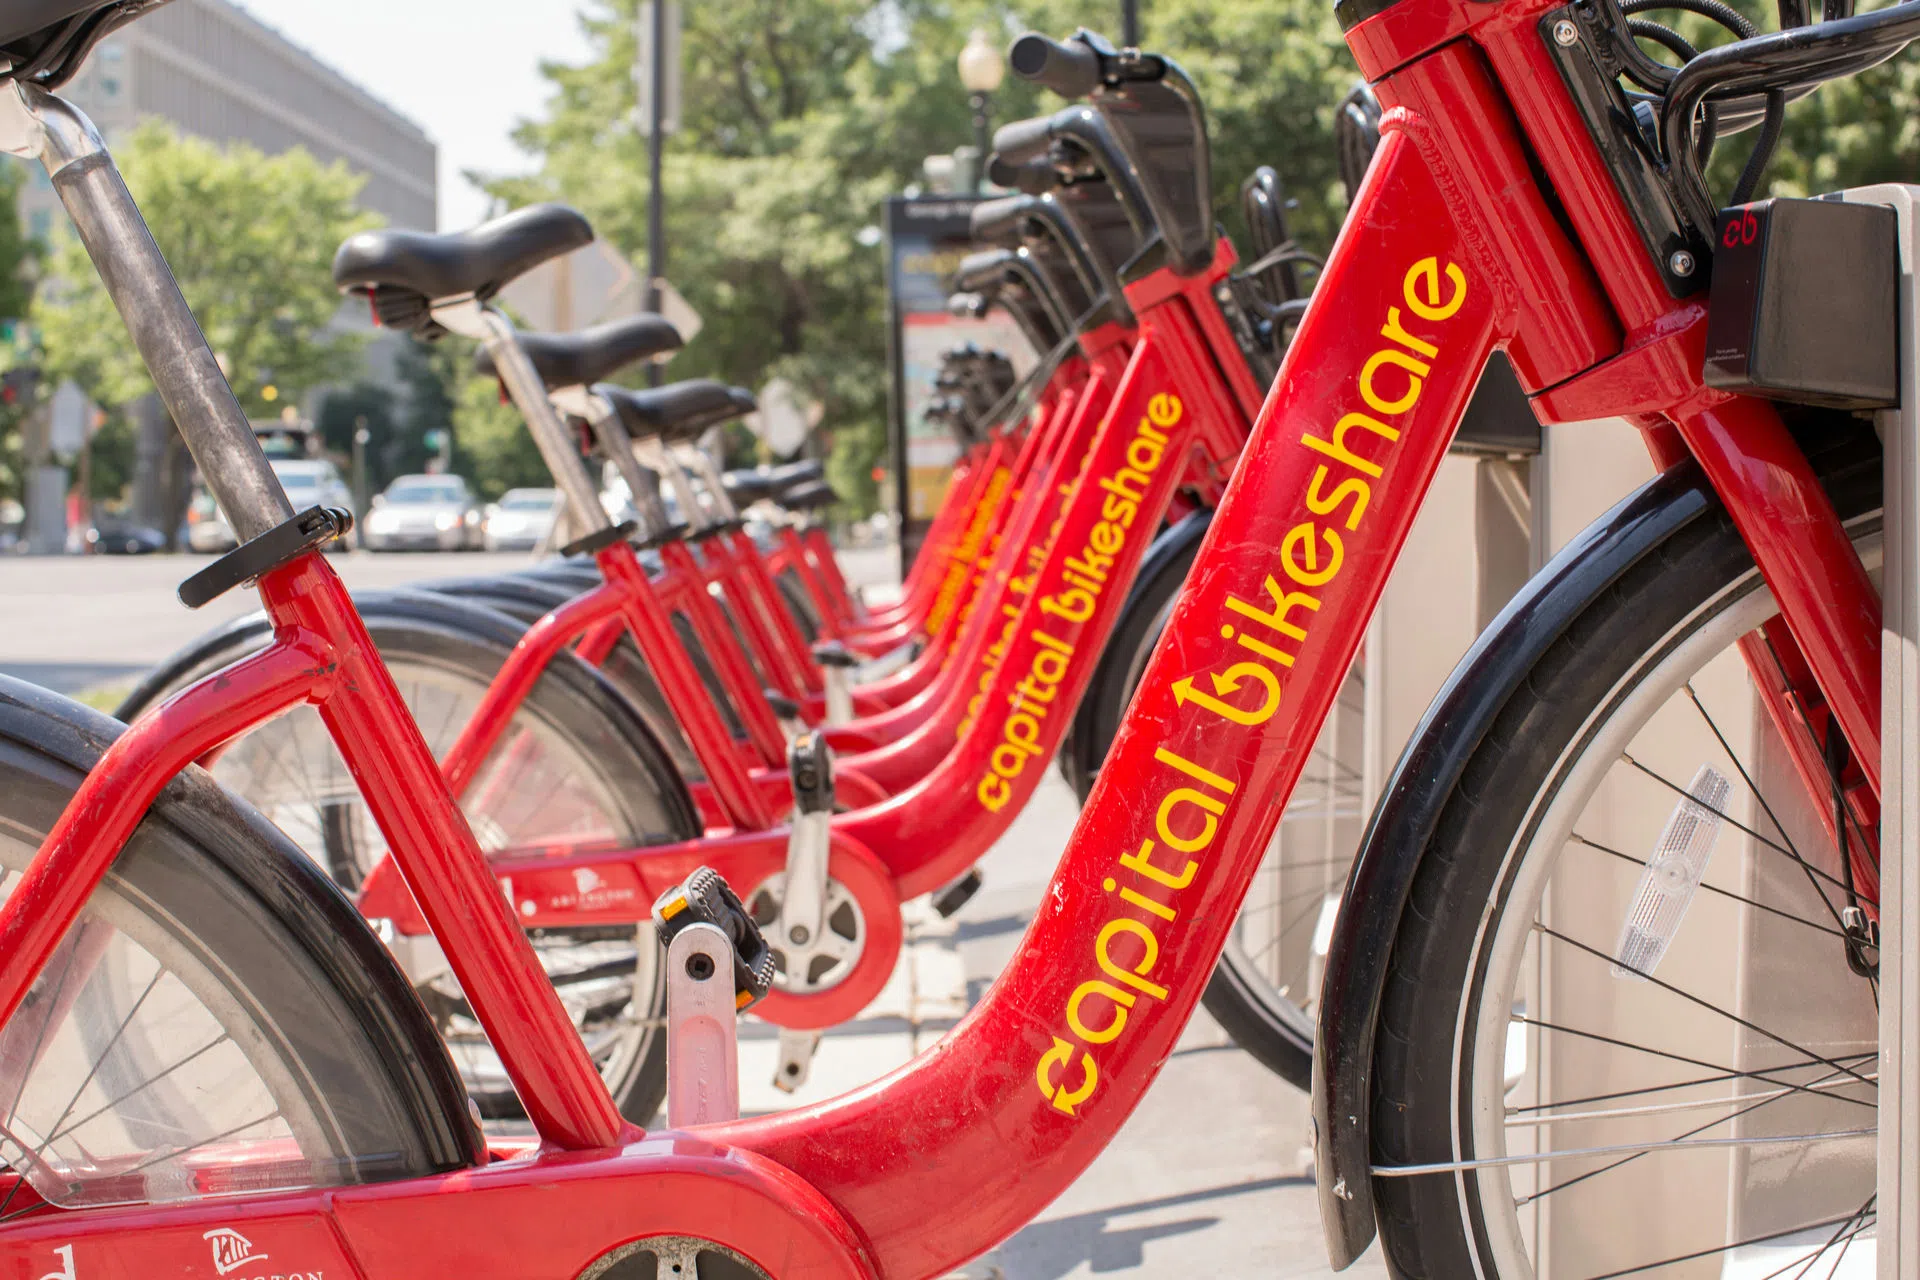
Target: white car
(308,482)
(521,519)
(424,513)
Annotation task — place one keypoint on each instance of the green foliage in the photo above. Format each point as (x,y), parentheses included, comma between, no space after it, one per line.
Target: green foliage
(800,117)
(249,238)
(19,352)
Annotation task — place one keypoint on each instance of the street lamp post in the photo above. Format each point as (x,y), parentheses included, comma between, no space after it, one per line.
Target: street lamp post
(981,71)
(360,437)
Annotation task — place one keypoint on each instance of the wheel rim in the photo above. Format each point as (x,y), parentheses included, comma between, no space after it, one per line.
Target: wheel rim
(533,790)
(132,1065)
(1765,1067)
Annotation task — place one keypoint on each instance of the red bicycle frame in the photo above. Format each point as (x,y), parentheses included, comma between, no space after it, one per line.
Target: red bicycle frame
(1453,250)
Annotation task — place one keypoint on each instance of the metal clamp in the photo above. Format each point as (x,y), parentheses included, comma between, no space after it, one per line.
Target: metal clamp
(311,528)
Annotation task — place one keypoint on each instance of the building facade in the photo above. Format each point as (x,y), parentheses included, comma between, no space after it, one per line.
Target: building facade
(215,72)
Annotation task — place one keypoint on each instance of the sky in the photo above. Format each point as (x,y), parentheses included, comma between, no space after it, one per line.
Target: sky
(464,70)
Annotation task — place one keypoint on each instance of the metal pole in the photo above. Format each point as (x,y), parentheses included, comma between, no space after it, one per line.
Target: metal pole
(656,145)
(1130,23)
(360,437)
(981,143)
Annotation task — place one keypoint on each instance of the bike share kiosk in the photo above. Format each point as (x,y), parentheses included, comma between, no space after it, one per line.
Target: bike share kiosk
(1899,1175)
(1813,302)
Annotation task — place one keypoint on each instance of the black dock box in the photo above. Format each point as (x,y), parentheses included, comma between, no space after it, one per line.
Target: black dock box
(1803,306)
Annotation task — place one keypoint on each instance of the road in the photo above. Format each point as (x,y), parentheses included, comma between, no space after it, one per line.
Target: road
(1208,1177)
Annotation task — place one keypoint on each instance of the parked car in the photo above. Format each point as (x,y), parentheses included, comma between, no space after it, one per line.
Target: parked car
(424,513)
(520,519)
(113,535)
(309,482)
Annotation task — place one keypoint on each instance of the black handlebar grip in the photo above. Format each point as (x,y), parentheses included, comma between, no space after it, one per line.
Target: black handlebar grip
(1034,178)
(1068,67)
(998,222)
(981,271)
(1023,140)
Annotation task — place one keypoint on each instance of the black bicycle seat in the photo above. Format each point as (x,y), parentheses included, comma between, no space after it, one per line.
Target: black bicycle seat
(477,261)
(809,497)
(752,485)
(592,355)
(677,413)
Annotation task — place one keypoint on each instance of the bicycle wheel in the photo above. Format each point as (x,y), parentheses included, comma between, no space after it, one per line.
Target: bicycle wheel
(1264,989)
(217,997)
(576,766)
(1621,1032)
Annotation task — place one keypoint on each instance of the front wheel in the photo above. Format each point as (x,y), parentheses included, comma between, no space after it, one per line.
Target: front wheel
(1621,1033)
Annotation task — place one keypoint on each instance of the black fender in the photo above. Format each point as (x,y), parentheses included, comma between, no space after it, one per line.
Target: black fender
(455,614)
(1171,551)
(408,602)
(1409,808)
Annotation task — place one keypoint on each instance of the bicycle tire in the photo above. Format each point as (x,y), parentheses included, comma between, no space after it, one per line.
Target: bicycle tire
(606,744)
(1627,644)
(212,890)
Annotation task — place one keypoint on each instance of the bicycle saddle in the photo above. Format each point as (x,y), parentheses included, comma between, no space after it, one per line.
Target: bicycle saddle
(809,497)
(593,355)
(404,271)
(678,413)
(752,484)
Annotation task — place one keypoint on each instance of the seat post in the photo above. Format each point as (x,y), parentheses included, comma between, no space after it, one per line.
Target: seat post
(529,394)
(38,125)
(611,433)
(657,455)
(709,473)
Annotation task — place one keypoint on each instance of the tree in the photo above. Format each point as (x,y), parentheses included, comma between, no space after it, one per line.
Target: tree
(251,240)
(19,355)
(801,116)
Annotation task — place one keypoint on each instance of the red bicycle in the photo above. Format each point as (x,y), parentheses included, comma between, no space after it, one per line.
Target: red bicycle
(1749,549)
(560,810)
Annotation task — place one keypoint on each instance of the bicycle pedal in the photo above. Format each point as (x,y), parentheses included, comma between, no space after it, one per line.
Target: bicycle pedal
(705,898)
(957,895)
(796,1058)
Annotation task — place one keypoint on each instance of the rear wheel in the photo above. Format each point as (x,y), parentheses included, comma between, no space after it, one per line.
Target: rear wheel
(217,996)
(574,767)
(1621,1031)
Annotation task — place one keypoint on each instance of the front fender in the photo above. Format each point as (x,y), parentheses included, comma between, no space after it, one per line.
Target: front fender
(1410,806)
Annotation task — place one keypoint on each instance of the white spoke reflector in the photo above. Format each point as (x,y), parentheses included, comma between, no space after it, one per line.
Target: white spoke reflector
(1675,870)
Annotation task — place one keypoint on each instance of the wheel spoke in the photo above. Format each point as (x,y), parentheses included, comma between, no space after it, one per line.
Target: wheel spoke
(1750,1025)
(1724,893)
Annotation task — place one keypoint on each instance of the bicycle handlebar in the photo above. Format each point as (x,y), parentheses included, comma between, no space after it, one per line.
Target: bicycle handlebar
(1023,140)
(999,222)
(1071,68)
(1034,178)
